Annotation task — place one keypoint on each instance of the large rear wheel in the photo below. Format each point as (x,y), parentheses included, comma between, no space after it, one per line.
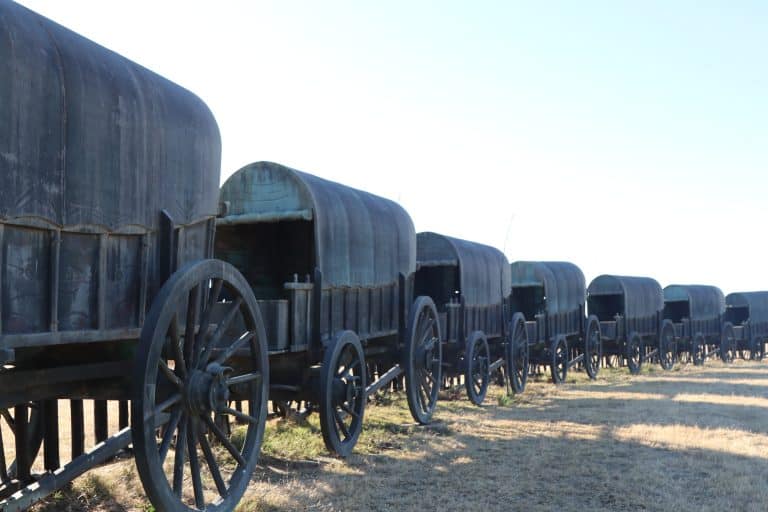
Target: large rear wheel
(518,356)
(203,344)
(423,359)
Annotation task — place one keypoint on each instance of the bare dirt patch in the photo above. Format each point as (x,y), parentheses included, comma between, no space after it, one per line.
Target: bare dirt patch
(694,439)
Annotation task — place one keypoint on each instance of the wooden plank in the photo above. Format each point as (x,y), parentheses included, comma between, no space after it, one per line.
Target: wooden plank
(2,272)
(77,426)
(144,286)
(21,432)
(100,421)
(123,418)
(54,283)
(66,337)
(51,482)
(51,435)
(101,306)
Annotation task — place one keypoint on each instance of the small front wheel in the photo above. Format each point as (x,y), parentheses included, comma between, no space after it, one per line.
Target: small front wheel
(593,347)
(634,353)
(342,393)
(558,366)
(667,345)
(728,343)
(477,360)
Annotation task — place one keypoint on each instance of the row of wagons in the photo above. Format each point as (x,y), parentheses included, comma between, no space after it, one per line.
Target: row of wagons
(129,277)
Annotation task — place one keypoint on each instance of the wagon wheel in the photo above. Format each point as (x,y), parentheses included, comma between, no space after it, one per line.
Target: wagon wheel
(477,374)
(667,345)
(422,357)
(558,366)
(10,479)
(697,350)
(634,353)
(342,393)
(187,369)
(593,347)
(756,349)
(727,343)
(518,355)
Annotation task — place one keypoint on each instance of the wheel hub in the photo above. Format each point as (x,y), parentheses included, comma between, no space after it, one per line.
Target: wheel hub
(206,390)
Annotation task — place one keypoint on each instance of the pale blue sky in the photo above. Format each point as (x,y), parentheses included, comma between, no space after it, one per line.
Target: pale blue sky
(627,137)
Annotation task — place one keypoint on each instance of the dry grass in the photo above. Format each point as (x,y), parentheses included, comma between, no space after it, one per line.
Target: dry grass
(691,439)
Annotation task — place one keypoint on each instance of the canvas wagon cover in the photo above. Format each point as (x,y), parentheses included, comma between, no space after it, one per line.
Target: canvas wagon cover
(89,137)
(643,296)
(705,302)
(756,302)
(484,273)
(563,283)
(360,239)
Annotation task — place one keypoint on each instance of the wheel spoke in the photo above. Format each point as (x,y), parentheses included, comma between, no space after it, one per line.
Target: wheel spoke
(173,400)
(178,462)
(222,437)
(194,464)
(212,464)
(245,338)
(347,409)
(242,379)
(340,422)
(222,326)
(205,320)
(8,419)
(175,380)
(240,415)
(423,332)
(165,444)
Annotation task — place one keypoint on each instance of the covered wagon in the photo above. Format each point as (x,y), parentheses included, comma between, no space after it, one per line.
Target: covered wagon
(107,216)
(469,283)
(697,313)
(332,269)
(629,310)
(549,299)
(748,313)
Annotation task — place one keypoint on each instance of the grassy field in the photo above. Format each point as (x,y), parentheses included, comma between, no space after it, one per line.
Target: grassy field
(691,439)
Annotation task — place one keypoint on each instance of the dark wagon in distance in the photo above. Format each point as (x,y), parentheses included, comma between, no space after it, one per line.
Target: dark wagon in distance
(332,269)
(701,330)
(549,299)
(630,313)
(470,284)
(748,313)
(107,217)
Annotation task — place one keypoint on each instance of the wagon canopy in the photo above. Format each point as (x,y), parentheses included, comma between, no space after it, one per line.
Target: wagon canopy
(642,297)
(484,275)
(359,239)
(89,137)
(563,283)
(755,304)
(704,302)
